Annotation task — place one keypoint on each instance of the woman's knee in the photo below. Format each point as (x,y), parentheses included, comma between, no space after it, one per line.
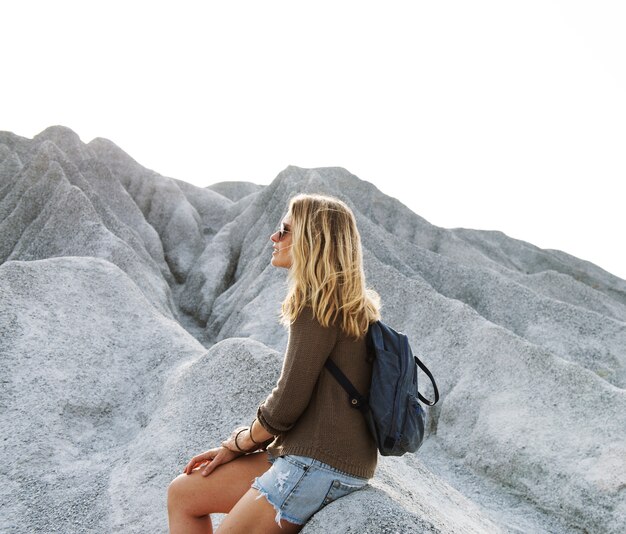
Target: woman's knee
(173,490)
(178,492)
(192,495)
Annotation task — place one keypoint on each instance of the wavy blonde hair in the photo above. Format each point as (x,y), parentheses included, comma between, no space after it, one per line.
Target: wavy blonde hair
(327,266)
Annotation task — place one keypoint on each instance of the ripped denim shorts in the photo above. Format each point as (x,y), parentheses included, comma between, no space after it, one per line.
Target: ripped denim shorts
(298,486)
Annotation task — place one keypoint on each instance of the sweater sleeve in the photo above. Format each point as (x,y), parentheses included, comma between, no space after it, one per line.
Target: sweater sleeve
(308,347)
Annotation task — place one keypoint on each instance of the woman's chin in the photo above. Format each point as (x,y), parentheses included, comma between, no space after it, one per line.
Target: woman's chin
(278,263)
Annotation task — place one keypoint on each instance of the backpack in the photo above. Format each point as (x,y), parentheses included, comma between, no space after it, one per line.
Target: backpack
(392,412)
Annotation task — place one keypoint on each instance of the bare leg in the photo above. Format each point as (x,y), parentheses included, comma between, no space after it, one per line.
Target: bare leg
(252,515)
(191,498)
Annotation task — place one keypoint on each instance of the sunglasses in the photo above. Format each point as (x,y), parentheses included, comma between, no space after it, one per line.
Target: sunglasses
(282,231)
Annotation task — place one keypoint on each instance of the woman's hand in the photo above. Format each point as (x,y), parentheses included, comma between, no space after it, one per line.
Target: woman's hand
(209,460)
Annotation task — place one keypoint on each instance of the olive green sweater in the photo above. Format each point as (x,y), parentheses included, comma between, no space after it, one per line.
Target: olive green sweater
(309,411)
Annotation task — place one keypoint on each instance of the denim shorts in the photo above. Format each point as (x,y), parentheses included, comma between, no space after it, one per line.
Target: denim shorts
(298,486)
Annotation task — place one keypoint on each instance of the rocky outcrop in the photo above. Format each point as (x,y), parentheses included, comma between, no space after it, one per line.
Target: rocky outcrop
(138,325)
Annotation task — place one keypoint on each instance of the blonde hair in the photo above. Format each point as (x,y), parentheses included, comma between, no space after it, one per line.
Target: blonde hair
(327,266)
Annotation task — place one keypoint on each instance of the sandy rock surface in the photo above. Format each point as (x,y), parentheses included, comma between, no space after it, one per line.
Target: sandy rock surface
(138,326)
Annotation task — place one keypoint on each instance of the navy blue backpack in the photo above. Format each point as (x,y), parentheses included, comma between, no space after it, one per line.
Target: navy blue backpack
(392,411)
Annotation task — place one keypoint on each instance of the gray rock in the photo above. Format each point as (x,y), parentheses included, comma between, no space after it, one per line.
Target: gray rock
(214,210)
(163,205)
(235,191)
(50,209)
(84,361)
(138,326)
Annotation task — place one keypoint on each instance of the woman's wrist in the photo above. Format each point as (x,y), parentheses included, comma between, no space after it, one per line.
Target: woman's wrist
(247,442)
(250,431)
(244,442)
(260,436)
(243,439)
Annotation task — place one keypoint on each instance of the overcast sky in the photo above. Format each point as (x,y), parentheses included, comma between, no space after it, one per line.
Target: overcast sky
(495,115)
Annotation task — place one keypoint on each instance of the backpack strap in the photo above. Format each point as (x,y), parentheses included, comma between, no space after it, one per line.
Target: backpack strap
(356,399)
(429,375)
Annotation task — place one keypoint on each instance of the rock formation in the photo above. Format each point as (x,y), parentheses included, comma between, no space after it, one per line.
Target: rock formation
(138,326)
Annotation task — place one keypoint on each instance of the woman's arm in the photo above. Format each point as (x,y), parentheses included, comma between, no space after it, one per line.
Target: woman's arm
(308,348)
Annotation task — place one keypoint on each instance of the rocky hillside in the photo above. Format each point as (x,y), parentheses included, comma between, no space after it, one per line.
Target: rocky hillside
(138,326)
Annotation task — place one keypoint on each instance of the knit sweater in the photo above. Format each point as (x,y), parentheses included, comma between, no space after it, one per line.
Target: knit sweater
(309,411)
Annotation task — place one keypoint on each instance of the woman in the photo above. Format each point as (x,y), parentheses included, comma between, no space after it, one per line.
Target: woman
(320,446)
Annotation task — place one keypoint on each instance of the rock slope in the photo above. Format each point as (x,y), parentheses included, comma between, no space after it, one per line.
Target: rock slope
(138,325)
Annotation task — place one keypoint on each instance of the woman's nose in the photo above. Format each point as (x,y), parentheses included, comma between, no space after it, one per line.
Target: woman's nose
(274,237)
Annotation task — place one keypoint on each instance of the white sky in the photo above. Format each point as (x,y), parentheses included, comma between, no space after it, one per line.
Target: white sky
(496,115)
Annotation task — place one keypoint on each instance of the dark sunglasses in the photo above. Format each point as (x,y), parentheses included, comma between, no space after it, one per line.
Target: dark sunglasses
(282,232)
